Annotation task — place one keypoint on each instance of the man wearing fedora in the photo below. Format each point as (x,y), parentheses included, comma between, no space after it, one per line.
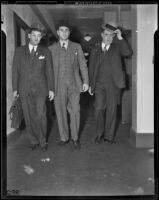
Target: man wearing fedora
(106,79)
(71,78)
(32,81)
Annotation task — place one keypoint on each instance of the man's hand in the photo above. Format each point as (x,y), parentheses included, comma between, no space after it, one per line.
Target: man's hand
(51,95)
(90,92)
(86,54)
(85,87)
(15,94)
(118,32)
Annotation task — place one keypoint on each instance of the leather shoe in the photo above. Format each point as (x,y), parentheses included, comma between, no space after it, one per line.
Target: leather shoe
(109,141)
(99,139)
(76,144)
(44,147)
(62,143)
(34,146)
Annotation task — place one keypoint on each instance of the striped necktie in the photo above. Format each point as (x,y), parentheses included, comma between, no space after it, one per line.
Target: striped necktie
(105,48)
(63,46)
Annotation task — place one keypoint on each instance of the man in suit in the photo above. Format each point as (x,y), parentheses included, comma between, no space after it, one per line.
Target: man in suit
(68,60)
(106,79)
(32,80)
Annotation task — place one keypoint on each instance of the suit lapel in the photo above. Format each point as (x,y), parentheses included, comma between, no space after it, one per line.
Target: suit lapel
(72,51)
(27,55)
(110,49)
(98,58)
(37,53)
(56,59)
(110,54)
(57,55)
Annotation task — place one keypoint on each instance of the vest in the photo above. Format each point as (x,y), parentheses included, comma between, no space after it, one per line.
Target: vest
(104,76)
(66,73)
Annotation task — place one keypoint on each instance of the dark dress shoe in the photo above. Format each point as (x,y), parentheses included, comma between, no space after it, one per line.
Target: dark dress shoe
(76,144)
(62,143)
(44,147)
(34,146)
(99,139)
(109,141)
(112,142)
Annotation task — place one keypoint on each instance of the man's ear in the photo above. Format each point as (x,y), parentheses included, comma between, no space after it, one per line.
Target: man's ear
(57,32)
(29,35)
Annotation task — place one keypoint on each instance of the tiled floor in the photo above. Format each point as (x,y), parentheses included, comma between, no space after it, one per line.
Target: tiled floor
(103,170)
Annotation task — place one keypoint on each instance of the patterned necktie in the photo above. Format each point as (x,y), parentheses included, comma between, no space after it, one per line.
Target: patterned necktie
(63,46)
(105,49)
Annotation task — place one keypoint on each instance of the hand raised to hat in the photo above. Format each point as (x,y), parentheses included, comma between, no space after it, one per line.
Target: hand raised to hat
(119,34)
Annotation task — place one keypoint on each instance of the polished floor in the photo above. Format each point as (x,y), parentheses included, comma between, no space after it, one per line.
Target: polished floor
(97,170)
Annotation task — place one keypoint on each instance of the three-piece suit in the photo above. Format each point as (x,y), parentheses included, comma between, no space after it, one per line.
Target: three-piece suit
(70,73)
(32,77)
(106,79)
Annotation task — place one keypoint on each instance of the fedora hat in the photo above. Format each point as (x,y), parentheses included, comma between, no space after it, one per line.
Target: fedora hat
(110,26)
(63,23)
(37,27)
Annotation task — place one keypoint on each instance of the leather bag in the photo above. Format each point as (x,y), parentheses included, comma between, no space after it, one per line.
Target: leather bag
(16,113)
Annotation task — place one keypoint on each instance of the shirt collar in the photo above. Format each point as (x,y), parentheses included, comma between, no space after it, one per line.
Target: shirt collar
(31,46)
(103,45)
(66,43)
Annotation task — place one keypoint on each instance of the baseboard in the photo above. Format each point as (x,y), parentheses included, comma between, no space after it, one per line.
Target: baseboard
(143,140)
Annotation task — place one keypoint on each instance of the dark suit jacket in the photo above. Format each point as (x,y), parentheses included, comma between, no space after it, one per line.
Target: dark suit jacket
(116,50)
(36,77)
(78,63)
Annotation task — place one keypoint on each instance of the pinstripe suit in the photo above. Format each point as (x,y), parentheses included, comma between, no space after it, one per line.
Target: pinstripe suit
(32,77)
(68,85)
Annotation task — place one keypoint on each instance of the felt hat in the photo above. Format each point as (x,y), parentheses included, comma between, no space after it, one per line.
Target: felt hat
(37,27)
(110,26)
(63,23)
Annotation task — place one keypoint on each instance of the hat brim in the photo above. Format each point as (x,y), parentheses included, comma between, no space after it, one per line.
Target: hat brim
(109,27)
(43,32)
(63,23)
(57,28)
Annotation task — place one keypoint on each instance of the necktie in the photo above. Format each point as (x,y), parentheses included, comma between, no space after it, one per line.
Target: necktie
(32,55)
(32,51)
(105,49)
(63,46)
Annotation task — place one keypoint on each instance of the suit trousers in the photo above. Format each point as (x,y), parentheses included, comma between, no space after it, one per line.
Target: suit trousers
(106,100)
(67,100)
(34,110)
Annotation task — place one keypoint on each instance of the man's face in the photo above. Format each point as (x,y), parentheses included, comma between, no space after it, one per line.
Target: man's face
(35,37)
(107,36)
(63,32)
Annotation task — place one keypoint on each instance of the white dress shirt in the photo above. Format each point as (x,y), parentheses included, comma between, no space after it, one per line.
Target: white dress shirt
(31,47)
(103,46)
(64,42)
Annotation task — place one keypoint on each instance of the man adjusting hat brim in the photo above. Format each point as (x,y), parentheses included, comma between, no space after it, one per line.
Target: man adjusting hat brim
(109,27)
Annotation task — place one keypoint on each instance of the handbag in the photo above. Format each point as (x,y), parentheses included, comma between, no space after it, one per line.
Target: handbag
(16,113)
